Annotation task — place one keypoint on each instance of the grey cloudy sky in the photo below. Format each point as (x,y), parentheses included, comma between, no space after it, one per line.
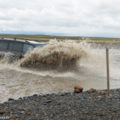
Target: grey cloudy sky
(67,17)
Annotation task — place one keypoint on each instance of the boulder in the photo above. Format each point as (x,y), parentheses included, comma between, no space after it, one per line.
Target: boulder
(78,89)
(91,90)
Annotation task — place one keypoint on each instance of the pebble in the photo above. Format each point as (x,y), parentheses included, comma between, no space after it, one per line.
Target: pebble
(13,117)
(2,111)
(91,90)
(78,89)
(103,92)
(10,99)
(66,106)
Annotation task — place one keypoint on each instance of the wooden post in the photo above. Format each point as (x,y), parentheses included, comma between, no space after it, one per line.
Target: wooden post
(107,66)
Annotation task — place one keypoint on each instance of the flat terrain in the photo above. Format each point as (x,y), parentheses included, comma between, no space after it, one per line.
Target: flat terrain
(48,37)
(66,106)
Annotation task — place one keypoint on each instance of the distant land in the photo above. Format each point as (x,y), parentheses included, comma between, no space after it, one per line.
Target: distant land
(46,38)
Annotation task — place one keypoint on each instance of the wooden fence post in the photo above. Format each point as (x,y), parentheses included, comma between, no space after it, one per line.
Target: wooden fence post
(107,68)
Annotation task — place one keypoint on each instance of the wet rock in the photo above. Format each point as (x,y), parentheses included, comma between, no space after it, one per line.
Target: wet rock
(28,113)
(10,99)
(17,119)
(20,98)
(13,117)
(78,89)
(22,112)
(62,95)
(91,90)
(2,112)
(103,92)
(48,101)
(35,95)
(110,95)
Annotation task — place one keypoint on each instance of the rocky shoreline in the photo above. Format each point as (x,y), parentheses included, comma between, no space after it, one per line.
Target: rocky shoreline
(95,105)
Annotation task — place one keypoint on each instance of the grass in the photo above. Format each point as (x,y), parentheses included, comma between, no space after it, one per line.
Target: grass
(46,38)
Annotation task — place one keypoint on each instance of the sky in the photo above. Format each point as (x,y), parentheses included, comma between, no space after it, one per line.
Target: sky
(61,17)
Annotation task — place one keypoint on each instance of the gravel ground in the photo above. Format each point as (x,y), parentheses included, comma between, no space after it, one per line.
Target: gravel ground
(64,106)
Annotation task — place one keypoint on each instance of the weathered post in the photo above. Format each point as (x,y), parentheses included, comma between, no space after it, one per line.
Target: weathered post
(108,75)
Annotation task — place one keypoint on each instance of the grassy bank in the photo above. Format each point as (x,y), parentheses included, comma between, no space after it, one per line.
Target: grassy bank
(48,37)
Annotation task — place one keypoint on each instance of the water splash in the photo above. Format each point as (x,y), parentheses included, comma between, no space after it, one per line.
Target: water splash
(9,57)
(16,81)
(60,56)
